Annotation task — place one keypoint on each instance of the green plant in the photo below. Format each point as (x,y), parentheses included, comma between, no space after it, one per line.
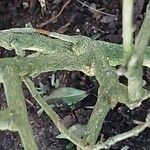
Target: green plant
(76,53)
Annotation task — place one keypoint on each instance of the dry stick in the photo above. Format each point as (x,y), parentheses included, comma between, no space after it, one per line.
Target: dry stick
(29,102)
(52,114)
(135,70)
(113,140)
(127,30)
(16,112)
(96,10)
(55,17)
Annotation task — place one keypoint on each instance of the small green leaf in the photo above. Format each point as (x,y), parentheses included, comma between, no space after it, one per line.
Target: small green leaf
(70,146)
(78,130)
(41,110)
(43,87)
(68,95)
(57,83)
(96,36)
(53,79)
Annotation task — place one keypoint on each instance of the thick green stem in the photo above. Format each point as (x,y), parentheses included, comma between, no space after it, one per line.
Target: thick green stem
(35,65)
(6,123)
(127,29)
(17,109)
(97,118)
(91,57)
(109,95)
(135,71)
(39,64)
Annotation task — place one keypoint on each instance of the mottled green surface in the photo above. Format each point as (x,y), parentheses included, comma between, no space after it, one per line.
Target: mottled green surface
(63,52)
(19,41)
(135,70)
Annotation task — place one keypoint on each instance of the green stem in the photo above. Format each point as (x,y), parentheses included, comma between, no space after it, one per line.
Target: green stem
(17,116)
(52,114)
(42,63)
(39,64)
(113,140)
(6,122)
(97,118)
(109,95)
(135,70)
(117,138)
(127,29)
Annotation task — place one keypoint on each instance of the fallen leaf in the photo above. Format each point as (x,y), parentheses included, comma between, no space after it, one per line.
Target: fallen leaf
(68,95)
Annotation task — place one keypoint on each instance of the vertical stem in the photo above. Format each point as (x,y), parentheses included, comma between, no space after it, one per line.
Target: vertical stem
(127,29)
(17,108)
(97,118)
(135,70)
(110,92)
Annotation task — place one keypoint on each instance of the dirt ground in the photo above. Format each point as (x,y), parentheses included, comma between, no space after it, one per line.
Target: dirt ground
(74,17)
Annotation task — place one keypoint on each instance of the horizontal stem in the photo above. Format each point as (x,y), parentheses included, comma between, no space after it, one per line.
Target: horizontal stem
(69,61)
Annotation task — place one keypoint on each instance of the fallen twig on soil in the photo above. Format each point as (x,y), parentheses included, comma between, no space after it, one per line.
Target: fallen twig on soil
(96,10)
(54,17)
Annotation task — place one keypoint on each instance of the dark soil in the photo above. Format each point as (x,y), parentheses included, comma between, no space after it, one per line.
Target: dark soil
(75,19)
